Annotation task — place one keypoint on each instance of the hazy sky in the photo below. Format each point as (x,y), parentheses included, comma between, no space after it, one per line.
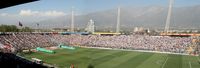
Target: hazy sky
(45,9)
(92,5)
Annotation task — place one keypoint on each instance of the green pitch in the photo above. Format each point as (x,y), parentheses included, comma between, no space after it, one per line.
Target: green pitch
(99,58)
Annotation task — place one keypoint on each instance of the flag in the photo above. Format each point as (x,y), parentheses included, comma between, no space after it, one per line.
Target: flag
(37,24)
(20,24)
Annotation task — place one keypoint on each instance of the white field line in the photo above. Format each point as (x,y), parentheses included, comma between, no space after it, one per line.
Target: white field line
(164,63)
(138,50)
(190,64)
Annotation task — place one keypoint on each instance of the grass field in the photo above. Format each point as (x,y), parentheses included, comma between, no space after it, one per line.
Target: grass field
(100,58)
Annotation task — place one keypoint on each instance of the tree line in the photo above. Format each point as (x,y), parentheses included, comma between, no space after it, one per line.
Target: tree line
(14,28)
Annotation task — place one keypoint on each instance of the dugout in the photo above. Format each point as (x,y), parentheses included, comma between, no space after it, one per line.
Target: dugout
(61,45)
(45,50)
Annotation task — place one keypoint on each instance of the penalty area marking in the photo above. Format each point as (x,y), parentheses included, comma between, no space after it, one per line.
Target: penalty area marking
(190,64)
(164,63)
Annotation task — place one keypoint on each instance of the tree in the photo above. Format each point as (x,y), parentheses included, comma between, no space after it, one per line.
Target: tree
(13,28)
(26,29)
(8,28)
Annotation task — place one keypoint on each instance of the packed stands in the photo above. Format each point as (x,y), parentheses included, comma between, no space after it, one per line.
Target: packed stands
(23,41)
(20,41)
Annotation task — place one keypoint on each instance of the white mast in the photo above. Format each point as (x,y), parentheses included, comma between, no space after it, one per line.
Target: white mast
(118,20)
(72,20)
(169,16)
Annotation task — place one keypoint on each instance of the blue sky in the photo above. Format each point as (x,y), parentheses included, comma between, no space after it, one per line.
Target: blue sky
(48,9)
(85,6)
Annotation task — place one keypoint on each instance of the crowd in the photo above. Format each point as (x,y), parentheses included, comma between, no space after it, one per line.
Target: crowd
(24,41)
(133,42)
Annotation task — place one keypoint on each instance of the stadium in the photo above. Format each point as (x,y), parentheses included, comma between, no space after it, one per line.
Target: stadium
(24,47)
(58,50)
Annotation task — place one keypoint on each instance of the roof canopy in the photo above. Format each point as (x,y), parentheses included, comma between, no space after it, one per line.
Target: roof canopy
(9,3)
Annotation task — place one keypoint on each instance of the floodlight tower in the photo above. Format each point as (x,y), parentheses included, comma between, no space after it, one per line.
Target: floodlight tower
(171,2)
(72,20)
(118,20)
(90,27)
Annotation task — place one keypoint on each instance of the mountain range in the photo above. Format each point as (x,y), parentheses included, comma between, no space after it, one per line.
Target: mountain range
(149,17)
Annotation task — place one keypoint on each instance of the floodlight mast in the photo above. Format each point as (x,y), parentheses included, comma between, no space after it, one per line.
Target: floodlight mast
(171,2)
(72,20)
(118,20)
